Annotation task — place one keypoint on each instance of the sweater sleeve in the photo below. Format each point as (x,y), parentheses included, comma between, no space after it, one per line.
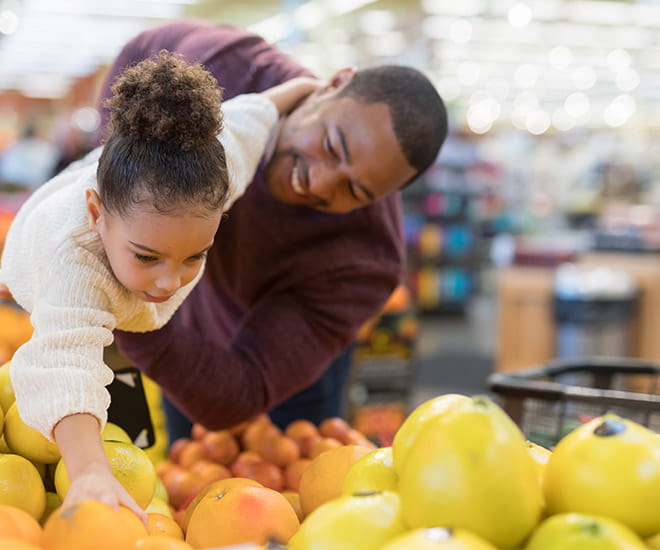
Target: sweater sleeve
(60,370)
(248,122)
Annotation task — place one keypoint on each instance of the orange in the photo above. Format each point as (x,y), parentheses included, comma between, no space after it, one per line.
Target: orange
(215,489)
(243,461)
(198,431)
(280,450)
(160,524)
(21,485)
(307,443)
(191,453)
(159,506)
(323,479)
(162,542)
(53,501)
(220,446)
(323,444)
(417,420)
(7,396)
(607,467)
(92,524)
(113,432)
(210,471)
(294,501)
(300,429)
(336,428)
(373,472)
(130,465)
(182,486)
(470,469)
(240,515)
(356,437)
(257,432)
(17,523)
(294,472)
(438,538)
(11,543)
(583,532)
(26,441)
(266,474)
(356,522)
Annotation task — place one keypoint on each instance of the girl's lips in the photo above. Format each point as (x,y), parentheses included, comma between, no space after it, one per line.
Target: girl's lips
(156,299)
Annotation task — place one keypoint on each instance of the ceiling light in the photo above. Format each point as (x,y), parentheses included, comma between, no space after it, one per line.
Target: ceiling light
(537,122)
(618,60)
(526,75)
(519,14)
(8,22)
(468,73)
(464,7)
(562,120)
(619,111)
(460,31)
(377,21)
(627,80)
(577,104)
(560,57)
(389,44)
(584,78)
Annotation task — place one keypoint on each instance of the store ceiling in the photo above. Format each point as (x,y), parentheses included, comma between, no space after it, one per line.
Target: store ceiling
(536,63)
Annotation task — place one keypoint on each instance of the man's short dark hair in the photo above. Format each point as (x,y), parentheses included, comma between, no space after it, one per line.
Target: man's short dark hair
(419,116)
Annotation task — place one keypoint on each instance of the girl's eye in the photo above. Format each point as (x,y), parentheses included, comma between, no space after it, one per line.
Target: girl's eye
(199,257)
(144,259)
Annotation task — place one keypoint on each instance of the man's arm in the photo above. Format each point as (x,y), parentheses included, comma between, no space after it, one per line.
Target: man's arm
(282,347)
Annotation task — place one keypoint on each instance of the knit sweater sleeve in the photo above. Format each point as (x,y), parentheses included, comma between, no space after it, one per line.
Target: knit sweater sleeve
(60,370)
(248,122)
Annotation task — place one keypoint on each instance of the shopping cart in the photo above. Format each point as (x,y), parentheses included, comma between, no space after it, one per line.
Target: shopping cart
(550,400)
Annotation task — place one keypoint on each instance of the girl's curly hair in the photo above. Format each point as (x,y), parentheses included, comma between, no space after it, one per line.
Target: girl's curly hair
(163,146)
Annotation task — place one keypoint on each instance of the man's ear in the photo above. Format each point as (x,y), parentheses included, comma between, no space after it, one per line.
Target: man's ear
(94,208)
(340,79)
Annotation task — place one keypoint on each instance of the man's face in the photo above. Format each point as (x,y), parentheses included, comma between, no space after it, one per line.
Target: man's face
(336,154)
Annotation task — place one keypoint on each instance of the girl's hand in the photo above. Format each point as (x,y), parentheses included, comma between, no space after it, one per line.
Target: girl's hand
(79,440)
(285,96)
(97,483)
(5,294)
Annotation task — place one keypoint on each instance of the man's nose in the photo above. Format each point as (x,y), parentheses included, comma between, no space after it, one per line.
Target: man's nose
(323,181)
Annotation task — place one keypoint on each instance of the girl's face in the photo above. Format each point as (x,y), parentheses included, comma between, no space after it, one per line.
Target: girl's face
(154,254)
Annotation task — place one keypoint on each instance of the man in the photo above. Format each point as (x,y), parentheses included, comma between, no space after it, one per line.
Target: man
(309,253)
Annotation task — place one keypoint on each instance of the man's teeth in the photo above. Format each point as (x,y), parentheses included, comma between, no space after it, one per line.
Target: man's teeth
(295,181)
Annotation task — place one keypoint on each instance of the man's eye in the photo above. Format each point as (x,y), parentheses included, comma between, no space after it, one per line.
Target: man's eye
(144,259)
(330,148)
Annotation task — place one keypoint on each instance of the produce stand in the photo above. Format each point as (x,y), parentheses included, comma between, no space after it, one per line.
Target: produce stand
(550,400)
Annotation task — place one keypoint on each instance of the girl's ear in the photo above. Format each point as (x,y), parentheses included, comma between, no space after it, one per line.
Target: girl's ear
(94,208)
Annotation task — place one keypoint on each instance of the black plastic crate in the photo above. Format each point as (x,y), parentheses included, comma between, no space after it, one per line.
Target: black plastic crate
(550,400)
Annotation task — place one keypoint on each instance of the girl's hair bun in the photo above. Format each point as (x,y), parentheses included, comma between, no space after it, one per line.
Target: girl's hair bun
(164,98)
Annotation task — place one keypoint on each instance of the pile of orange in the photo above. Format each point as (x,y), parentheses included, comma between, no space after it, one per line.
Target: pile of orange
(248,478)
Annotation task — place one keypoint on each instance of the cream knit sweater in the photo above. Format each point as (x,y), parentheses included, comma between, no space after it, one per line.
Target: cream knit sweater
(56,269)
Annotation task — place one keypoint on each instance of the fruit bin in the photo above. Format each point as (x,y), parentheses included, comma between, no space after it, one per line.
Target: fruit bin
(550,400)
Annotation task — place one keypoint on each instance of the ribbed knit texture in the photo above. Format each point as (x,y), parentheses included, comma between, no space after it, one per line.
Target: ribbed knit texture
(56,269)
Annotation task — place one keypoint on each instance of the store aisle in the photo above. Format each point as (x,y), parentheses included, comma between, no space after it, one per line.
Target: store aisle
(455,353)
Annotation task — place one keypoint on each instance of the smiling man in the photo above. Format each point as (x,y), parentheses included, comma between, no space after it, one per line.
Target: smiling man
(310,251)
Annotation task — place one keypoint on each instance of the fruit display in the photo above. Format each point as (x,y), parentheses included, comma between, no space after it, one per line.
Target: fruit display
(459,475)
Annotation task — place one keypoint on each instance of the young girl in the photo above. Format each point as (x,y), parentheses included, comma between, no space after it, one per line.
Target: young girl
(120,242)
